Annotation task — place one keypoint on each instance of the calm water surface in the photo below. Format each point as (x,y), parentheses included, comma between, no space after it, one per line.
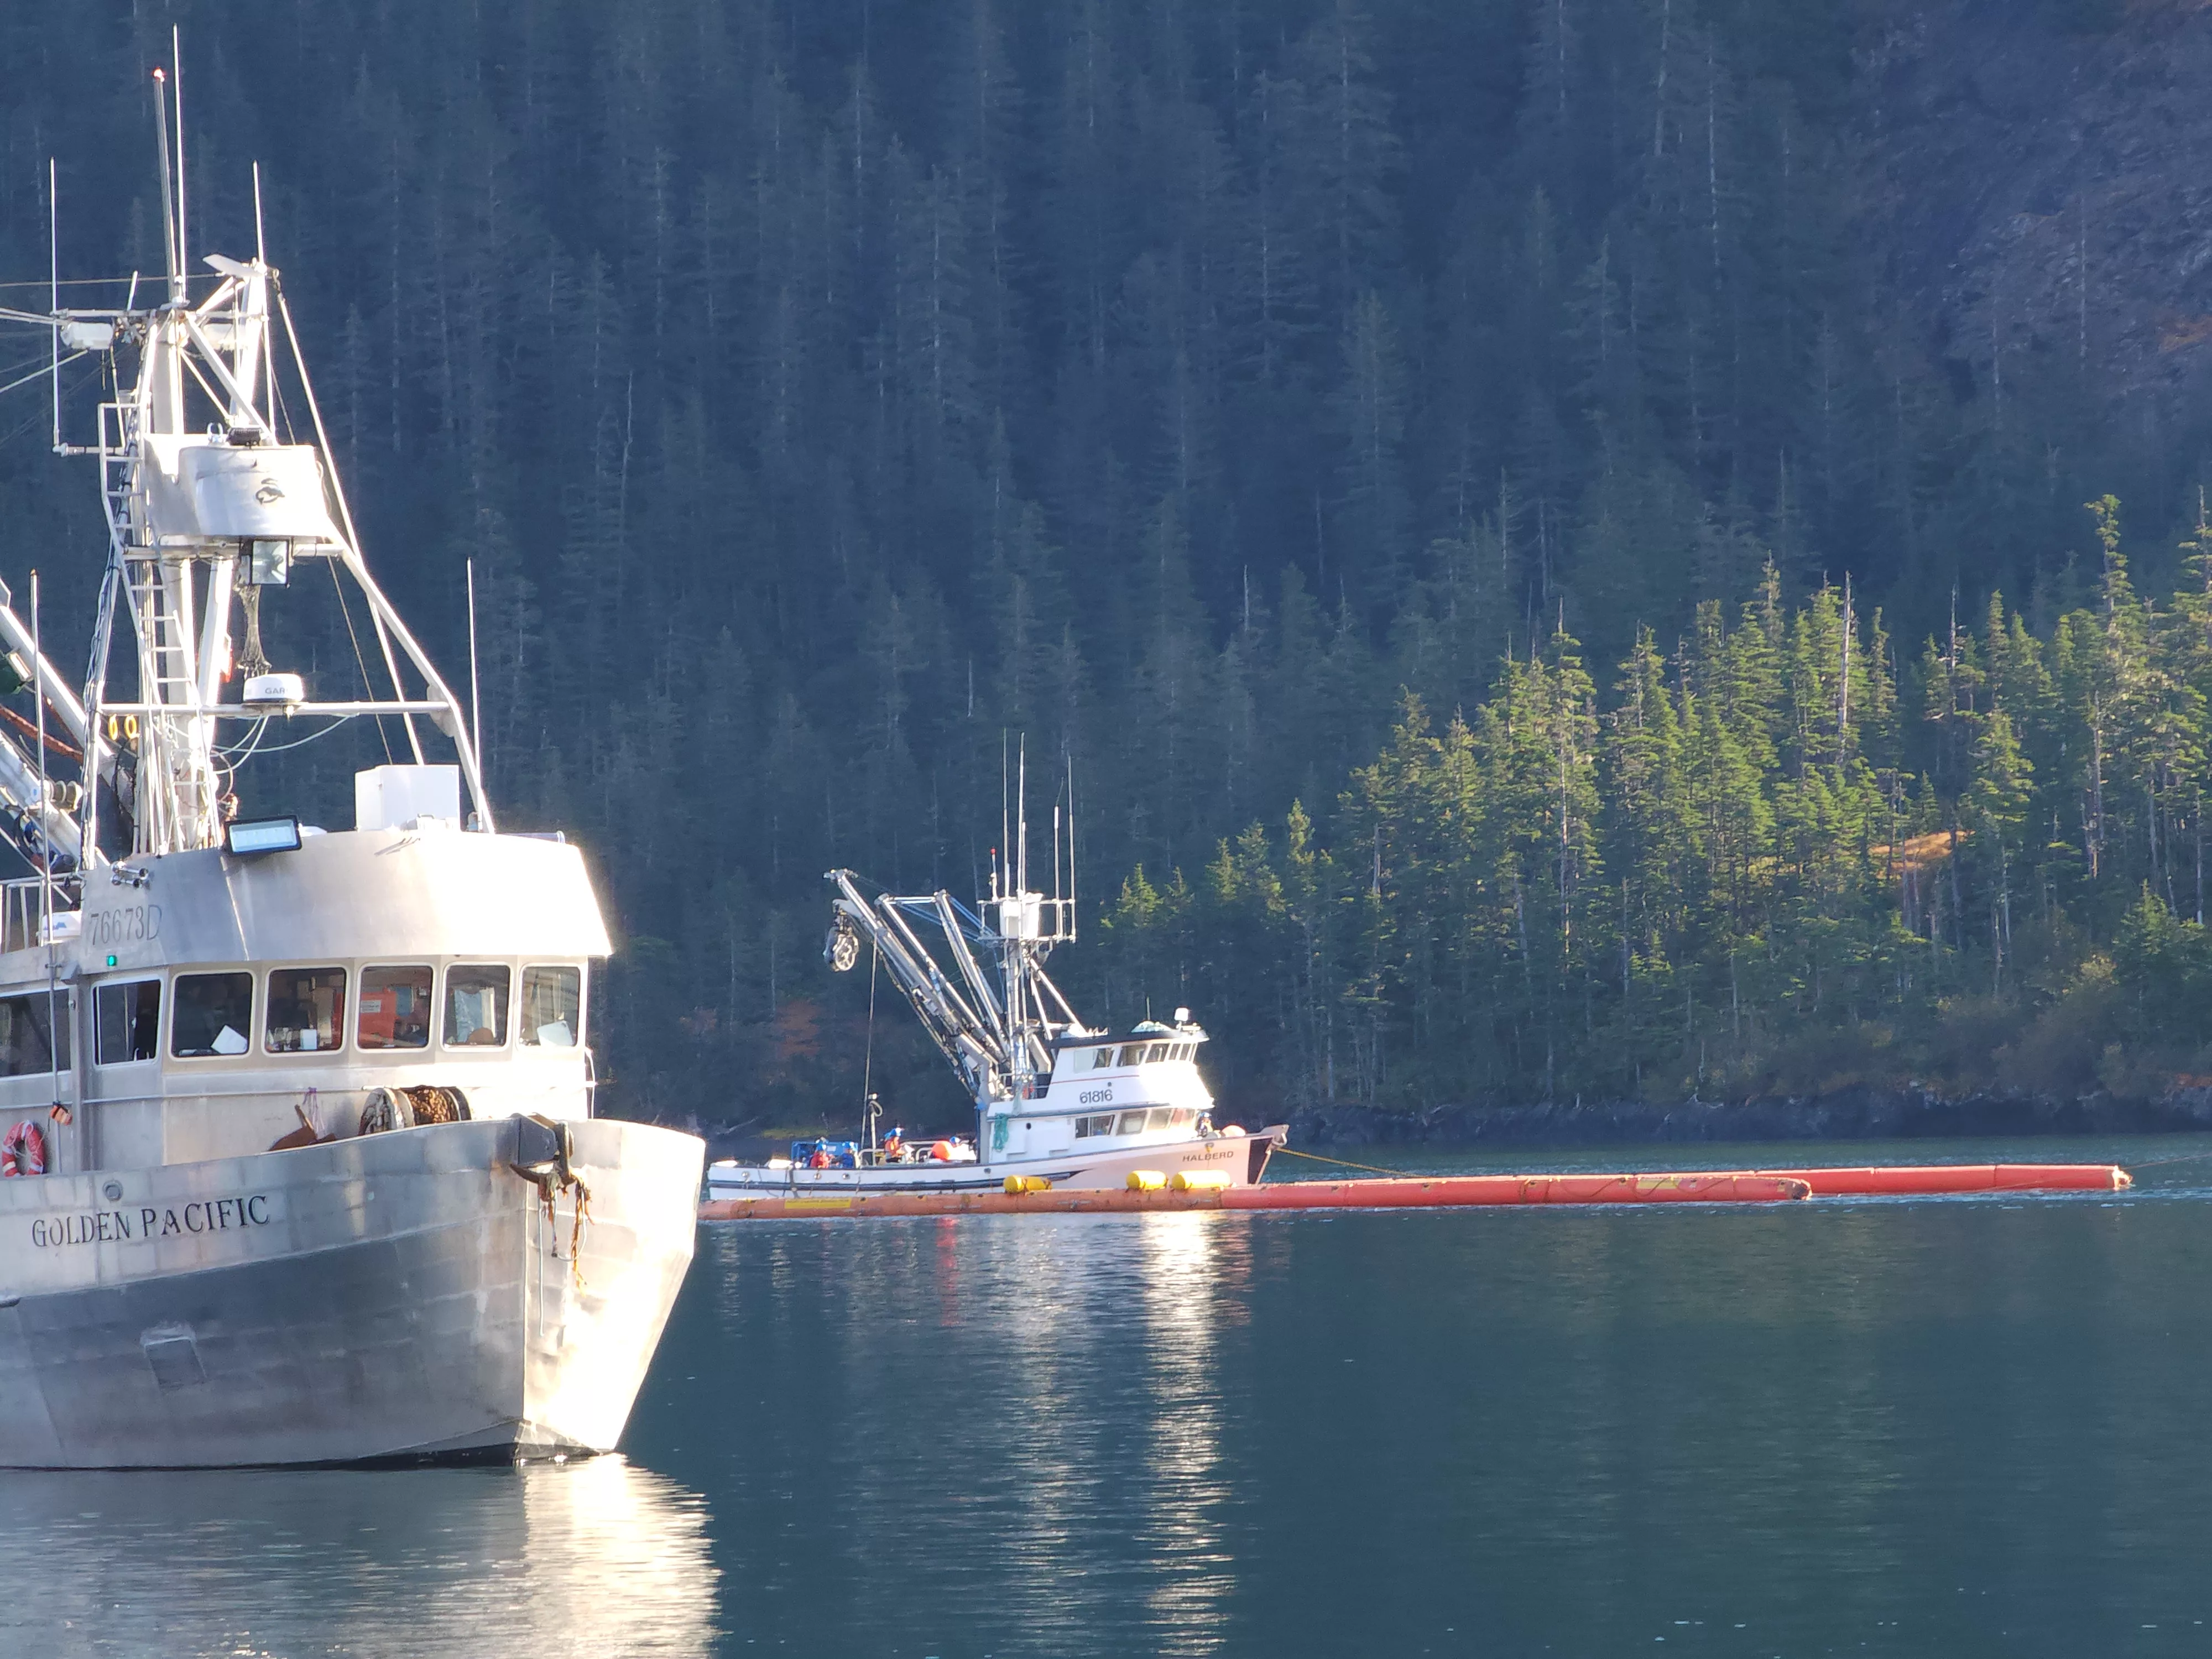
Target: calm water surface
(1939,1427)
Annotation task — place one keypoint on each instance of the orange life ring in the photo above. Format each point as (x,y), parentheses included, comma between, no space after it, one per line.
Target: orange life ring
(23,1150)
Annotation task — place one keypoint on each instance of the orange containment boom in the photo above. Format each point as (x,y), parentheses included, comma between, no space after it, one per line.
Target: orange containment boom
(1415,1192)
(1409,1193)
(1961,1178)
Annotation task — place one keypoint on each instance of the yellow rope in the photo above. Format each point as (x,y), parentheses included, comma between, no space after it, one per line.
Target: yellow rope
(1344,1162)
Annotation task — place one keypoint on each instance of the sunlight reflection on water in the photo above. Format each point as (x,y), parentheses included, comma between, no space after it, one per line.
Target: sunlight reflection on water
(548,1560)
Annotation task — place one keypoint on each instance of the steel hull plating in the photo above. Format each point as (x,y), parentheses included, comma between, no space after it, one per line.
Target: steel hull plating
(398,1295)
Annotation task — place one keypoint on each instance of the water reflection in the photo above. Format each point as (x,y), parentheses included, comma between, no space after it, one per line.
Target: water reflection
(1186,1272)
(983,1435)
(550,1560)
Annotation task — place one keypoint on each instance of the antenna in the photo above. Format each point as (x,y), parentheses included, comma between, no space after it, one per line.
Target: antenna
(56,1112)
(54,305)
(39,695)
(260,242)
(476,709)
(1022,820)
(1071,846)
(168,188)
(184,243)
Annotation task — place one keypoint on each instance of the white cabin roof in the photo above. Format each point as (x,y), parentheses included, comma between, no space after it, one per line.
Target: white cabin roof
(402,894)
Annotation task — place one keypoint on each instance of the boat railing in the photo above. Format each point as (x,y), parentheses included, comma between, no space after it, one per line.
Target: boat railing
(23,913)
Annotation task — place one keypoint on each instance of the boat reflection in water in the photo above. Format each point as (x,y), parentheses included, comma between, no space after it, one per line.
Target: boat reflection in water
(548,1559)
(1089,1350)
(1191,1276)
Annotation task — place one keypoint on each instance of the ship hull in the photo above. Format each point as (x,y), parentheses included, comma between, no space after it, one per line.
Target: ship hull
(396,1296)
(1242,1159)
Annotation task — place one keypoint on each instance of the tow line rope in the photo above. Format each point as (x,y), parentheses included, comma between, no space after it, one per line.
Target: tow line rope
(2159,1163)
(1344,1162)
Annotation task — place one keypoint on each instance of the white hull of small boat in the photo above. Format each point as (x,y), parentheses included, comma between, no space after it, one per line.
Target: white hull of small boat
(1240,1157)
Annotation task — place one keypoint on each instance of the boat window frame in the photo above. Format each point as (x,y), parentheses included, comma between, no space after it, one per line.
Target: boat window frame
(121,983)
(346,970)
(362,971)
(445,1042)
(59,1054)
(522,1035)
(254,1002)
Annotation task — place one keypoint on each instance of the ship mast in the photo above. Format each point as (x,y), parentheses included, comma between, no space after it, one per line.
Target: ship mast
(211,509)
(998,1036)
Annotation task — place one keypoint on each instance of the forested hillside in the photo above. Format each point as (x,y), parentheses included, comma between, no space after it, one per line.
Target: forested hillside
(1550,532)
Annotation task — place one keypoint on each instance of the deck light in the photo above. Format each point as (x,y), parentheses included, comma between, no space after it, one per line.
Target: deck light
(268,562)
(262,836)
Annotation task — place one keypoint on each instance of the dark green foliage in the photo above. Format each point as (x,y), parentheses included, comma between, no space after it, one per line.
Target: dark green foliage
(825,392)
(1725,886)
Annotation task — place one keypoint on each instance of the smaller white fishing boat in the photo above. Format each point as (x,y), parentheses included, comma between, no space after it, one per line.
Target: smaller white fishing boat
(1056,1100)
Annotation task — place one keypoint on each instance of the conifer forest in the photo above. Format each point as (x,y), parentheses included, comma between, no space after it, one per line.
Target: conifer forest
(1539,592)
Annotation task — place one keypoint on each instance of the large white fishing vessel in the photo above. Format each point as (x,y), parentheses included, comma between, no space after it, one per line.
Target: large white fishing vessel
(1057,1102)
(301,1163)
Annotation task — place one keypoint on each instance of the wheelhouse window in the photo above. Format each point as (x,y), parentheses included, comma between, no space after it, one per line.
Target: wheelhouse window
(25,1028)
(552,1006)
(211,1014)
(394,1010)
(306,1010)
(476,1006)
(127,1022)
(1087,1126)
(1132,1053)
(1101,1060)
(1132,1123)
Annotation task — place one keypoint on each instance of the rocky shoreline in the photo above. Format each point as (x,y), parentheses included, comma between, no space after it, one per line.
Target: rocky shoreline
(1846,1114)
